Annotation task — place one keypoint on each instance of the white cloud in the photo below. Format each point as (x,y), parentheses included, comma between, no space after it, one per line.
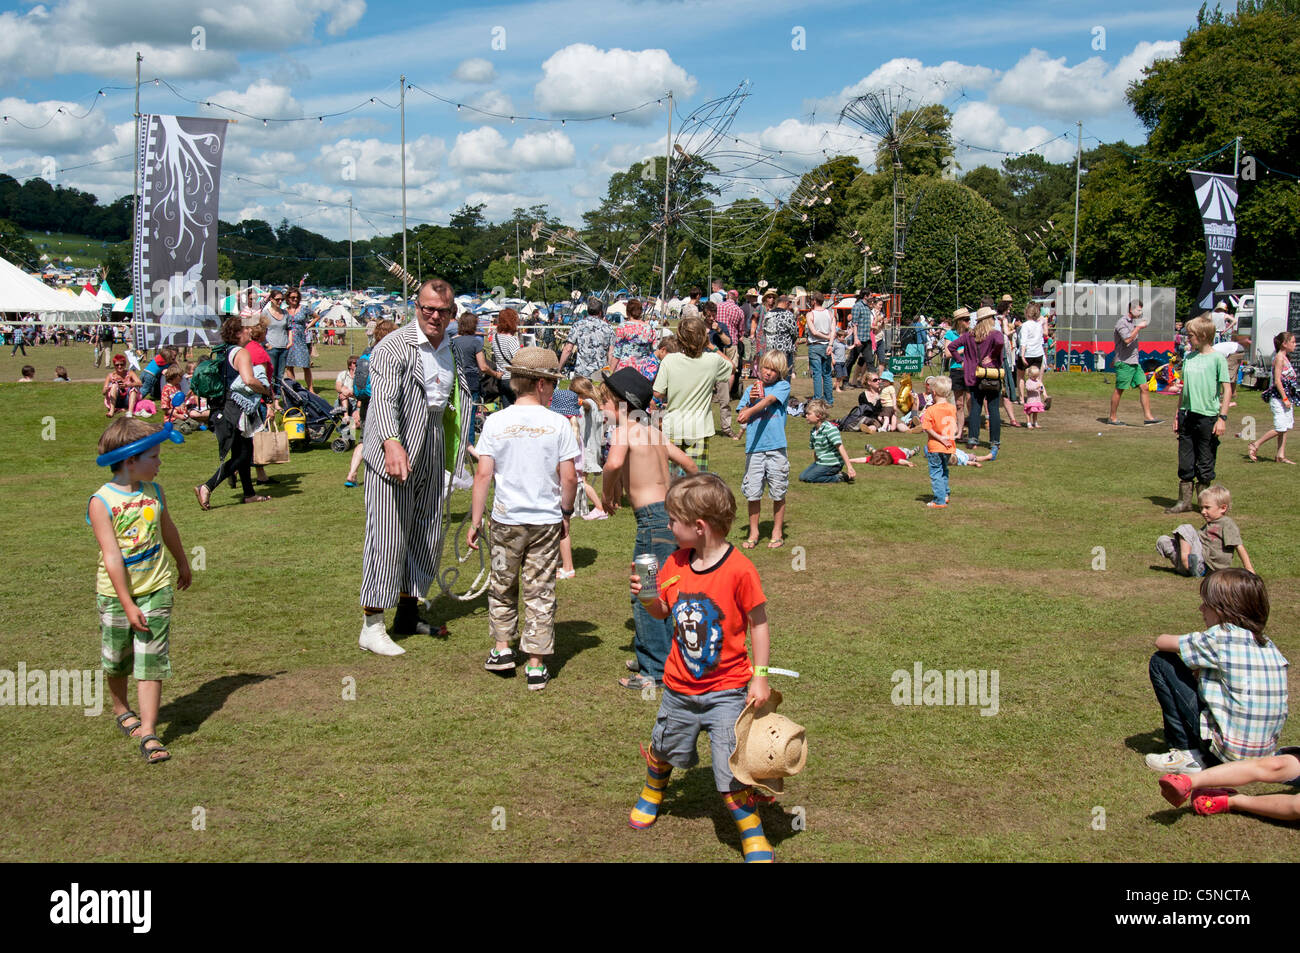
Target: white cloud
(486,150)
(475,70)
(581,80)
(1089,88)
(544,150)
(915,83)
(64,130)
(490,101)
(180,39)
(373,162)
(982,124)
(481,150)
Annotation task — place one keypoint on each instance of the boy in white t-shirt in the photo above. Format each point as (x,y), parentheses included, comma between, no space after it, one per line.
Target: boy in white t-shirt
(530,451)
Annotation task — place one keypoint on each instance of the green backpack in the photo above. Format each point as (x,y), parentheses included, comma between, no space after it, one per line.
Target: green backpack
(209,380)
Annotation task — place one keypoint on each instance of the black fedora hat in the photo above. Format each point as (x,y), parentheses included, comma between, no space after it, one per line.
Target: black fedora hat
(630,386)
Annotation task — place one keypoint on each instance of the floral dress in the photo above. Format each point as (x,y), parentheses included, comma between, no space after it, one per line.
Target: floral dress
(634,346)
(299,353)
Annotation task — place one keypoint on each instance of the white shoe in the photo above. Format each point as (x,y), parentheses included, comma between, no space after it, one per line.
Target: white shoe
(374,637)
(596,515)
(565,573)
(1175,761)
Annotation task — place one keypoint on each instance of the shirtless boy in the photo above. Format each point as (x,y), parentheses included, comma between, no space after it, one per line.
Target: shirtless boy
(638,456)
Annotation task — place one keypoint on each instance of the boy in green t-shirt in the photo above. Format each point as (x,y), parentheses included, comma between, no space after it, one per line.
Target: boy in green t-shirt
(132,525)
(1201,420)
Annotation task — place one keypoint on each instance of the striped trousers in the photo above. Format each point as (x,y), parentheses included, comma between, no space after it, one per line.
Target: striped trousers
(404,527)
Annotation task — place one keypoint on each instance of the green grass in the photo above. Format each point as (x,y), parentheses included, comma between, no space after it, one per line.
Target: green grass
(414,768)
(85,252)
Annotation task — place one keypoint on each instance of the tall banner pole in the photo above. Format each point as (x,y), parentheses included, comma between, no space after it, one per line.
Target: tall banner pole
(406,308)
(668,163)
(135,198)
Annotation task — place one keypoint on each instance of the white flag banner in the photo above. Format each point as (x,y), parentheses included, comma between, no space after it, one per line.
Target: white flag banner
(177,295)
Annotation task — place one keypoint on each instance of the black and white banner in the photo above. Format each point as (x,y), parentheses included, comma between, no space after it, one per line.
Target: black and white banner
(1216,194)
(176,289)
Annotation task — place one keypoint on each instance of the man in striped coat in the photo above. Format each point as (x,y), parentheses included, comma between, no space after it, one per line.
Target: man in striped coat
(412,377)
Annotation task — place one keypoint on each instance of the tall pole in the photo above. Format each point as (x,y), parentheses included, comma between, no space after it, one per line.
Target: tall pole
(956,265)
(351,283)
(519,267)
(406,292)
(135,197)
(1078,166)
(710,284)
(1236,160)
(668,163)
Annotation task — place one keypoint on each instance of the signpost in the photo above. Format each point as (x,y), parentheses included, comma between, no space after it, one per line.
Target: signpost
(906,364)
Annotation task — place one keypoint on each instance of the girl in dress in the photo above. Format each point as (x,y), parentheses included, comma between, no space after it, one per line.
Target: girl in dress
(1035,395)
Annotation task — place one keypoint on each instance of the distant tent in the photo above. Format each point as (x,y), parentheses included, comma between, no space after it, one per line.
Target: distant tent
(125,306)
(104,295)
(21,292)
(45,258)
(67,260)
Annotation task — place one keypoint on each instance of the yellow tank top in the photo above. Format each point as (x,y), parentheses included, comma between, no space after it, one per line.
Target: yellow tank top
(137,524)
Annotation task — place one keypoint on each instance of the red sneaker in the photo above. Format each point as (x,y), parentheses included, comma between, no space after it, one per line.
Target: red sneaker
(1206,801)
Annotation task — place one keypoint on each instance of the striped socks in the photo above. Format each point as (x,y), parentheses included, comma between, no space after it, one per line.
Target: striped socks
(646,809)
(752,839)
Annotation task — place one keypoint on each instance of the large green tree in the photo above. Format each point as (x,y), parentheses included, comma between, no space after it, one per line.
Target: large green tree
(1237,74)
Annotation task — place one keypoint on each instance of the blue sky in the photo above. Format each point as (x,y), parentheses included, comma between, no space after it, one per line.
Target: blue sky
(1016,76)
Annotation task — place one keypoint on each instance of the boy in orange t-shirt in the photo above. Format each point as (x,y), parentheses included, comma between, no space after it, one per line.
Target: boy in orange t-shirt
(939,421)
(713,594)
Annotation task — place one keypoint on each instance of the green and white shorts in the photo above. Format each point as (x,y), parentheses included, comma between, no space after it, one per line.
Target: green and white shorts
(126,651)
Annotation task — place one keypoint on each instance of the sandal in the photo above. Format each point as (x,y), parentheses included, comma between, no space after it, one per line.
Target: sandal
(256,499)
(350,484)
(1283,460)
(1250,453)
(204,495)
(1176,788)
(637,682)
(749,544)
(776,543)
(123,728)
(149,752)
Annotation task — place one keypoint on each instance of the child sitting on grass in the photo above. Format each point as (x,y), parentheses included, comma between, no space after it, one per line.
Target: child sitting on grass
(714,595)
(1196,553)
(1212,791)
(888,456)
(1222,692)
(762,411)
(829,455)
(132,524)
(888,402)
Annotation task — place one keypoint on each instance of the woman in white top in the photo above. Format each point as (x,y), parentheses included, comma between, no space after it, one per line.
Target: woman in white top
(1032,352)
(820,331)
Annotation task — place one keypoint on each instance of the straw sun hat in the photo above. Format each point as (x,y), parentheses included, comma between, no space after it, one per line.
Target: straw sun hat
(769,747)
(539,362)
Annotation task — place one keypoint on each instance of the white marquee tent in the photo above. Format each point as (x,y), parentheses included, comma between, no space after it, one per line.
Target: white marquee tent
(23,293)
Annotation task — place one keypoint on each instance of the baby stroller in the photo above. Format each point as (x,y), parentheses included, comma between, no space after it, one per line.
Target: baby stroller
(322,419)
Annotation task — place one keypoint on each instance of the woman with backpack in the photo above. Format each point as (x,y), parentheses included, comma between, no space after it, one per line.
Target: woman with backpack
(235,364)
(982,373)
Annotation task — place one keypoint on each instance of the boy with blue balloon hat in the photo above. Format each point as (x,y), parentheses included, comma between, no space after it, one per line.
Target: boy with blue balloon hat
(132,524)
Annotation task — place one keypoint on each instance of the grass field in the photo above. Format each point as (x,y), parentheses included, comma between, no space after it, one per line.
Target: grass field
(84,252)
(435,756)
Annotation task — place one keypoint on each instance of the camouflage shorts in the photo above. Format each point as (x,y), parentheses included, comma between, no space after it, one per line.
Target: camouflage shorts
(126,651)
(524,557)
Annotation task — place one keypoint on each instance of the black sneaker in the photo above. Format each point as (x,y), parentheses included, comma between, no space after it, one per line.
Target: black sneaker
(500,661)
(537,678)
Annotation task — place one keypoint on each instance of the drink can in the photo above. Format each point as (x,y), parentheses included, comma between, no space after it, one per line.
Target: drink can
(647,570)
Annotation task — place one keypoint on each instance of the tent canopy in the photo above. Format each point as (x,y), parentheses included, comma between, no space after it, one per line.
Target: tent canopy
(20,292)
